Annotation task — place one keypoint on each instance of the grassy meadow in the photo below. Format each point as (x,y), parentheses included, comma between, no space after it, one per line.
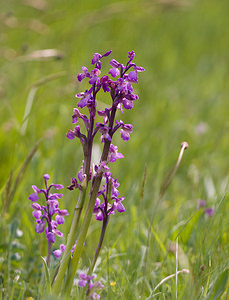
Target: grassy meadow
(183,96)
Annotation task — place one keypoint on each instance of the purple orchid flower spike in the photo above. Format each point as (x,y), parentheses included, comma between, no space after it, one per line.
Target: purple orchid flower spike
(90,123)
(44,214)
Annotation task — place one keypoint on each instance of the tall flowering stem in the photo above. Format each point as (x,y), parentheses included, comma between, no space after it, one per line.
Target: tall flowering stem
(121,92)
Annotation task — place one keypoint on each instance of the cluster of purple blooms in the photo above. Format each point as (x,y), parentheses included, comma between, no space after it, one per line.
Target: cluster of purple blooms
(45,213)
(109,194)
(121,91)
(209,211)
(60,251)
(92,287)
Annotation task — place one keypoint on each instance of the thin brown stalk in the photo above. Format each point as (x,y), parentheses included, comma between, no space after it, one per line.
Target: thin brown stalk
(166,183)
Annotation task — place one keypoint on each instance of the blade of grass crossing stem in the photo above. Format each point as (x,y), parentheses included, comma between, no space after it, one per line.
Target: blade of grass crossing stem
(28,108)
(31,97)
(162,246)
(6,197)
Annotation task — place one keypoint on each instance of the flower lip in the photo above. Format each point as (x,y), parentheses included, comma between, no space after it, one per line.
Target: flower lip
(33,197)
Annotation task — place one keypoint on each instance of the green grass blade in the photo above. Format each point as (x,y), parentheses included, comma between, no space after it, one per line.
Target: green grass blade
(47,275)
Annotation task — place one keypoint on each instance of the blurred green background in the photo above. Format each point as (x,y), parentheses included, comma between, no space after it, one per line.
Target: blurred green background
(183,95)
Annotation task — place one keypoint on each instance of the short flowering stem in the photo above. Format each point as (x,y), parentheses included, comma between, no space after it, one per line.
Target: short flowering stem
(105,223)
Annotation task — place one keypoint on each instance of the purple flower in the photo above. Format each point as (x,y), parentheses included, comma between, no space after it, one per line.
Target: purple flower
(76,133)
(63,212)
(127,104)
(55,196)
(111,201)
(95,76)
(125,131)
(74,184)
(46,212)
(97,204)
(53,205)
(114,63)
(96,58)
(85,73)
(36,189)
(93,288)
(209,211)
(120,207)
(133,77)
(114,155)
(78,115)
(57,253)
(95,296)
(33,197)
(114,72)
(46,177)
(105,82)
(83,279)
(200,203)
(60,251)
(37,214)
(58,186)
(59,219)
(99,216)
(70,135)
(102,167)
(39,228)
(107,53)
(84,98)
(131,55)
(104,130)
(51,237)
(36,206)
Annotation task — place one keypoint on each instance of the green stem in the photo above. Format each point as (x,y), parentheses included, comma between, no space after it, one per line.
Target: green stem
(98,246)
(70,242)
(49,249)
(82,236)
